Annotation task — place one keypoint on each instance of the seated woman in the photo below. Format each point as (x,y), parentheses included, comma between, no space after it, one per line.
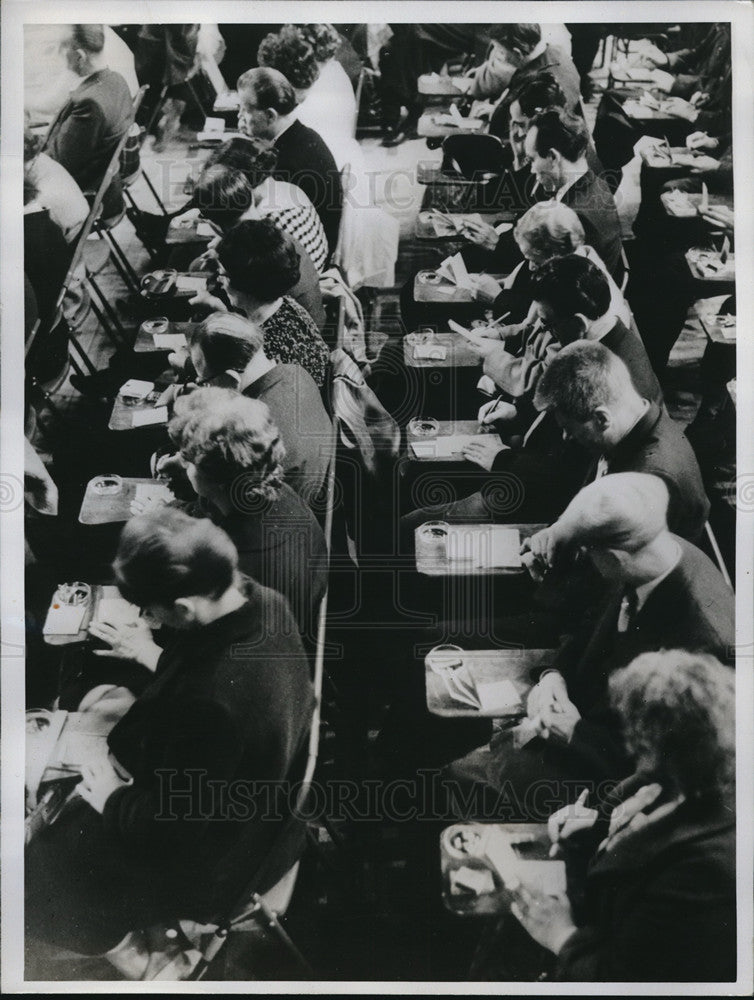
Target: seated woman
(326,101)
(548,230)
(231,700)
(260,267)
(234,461)
(283,202)
(657,900)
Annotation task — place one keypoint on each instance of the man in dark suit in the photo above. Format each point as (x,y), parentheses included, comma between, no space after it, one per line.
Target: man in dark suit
(229,701)
(557,148)
(573,297)
(522,46)
(589,391)
(268,105)
(88,128)
(556,145)
(661,592)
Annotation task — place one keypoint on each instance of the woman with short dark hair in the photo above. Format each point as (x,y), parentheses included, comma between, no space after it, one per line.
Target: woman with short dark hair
(260,268)
(267,197)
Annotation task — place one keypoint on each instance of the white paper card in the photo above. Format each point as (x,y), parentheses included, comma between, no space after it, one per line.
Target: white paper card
(424,449)
(136,388)
(65,619)
(453,444)
(492,547)
(157,415)
(189,283)
(498,696)
(477,881)
(430,352)
(152,491)
(169,341)
(116,610)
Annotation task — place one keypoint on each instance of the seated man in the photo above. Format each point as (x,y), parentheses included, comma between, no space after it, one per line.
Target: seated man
(268,111)
(522,48)
(231,701)
(589,392)
(574,301)
(701,99)
(227,349)
(556,144)
(87,130)
(557,149)
(573,736)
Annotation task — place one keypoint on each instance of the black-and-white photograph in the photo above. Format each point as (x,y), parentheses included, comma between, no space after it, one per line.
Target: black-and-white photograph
(380,499)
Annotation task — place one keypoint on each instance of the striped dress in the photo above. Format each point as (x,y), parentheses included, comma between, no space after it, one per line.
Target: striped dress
(290,209)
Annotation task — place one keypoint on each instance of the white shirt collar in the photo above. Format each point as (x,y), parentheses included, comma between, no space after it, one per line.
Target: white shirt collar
(643,591)
(601,326)
(537,51)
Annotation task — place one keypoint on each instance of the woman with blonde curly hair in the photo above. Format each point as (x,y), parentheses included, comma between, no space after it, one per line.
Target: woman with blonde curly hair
(234,457)
(304,54)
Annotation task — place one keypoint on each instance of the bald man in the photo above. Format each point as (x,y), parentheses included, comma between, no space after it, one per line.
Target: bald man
(660,593)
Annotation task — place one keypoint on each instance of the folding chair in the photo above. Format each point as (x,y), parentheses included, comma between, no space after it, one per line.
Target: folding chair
(712,549)
(626,270)
(35,343)
(104,226)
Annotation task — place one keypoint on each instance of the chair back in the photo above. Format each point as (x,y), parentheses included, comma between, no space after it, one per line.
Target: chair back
(476,155)
(113,169)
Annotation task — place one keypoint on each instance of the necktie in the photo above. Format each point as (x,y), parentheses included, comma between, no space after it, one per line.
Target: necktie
(628,608)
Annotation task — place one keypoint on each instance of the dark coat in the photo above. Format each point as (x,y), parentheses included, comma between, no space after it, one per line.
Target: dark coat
(658,446)
(661,904)
(281,545)
(692,608)
(556,62)
(305,160)
(229,703)
(591,200)
(297,409)
(87,130)
(629,348)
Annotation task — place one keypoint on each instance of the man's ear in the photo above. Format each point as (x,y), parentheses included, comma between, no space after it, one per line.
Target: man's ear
(602,418)
(581,323)
(183,608)
(571,329)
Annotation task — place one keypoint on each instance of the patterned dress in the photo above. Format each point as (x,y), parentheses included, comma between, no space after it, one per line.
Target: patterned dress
(290,210)
(292,338)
